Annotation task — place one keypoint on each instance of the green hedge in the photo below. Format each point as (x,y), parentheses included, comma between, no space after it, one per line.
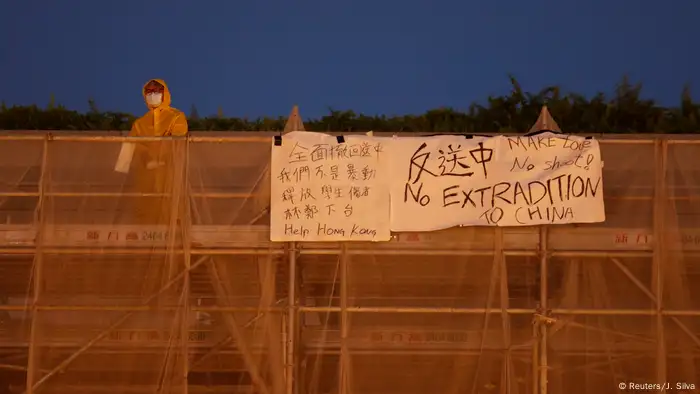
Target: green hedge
(623,112)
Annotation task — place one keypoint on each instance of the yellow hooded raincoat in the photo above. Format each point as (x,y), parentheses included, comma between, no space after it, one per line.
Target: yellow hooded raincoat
(156,163)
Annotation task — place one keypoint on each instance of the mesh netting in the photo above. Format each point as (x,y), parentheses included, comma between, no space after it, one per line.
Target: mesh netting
(164,280)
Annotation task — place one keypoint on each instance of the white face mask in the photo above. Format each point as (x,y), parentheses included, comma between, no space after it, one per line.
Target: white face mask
(154,99)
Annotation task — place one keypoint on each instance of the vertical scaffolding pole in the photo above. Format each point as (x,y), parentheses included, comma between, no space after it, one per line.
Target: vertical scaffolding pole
(535,360)
(291,320)
(222,293)
(40,225)
(542,332)
(660,150)
(222,287)
(500,259)
(185,229)
(273,330)
(173,374)
(344,364)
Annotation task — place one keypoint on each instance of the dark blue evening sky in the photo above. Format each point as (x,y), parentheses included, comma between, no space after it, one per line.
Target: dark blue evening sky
(260,57)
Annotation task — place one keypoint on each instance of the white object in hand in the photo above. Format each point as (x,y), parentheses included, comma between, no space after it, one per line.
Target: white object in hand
(125,156)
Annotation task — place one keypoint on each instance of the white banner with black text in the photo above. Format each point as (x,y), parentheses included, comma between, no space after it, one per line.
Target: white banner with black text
(327,188)
(446,181)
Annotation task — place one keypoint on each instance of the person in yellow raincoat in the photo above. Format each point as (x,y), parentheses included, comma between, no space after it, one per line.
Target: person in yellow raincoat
(159,165)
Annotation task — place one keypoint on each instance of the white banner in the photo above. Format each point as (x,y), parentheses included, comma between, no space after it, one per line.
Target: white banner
(446,181)
(329,190)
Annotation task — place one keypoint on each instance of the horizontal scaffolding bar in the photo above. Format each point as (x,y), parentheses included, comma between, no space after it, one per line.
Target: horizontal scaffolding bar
(389,309)
(145,388)
(333,349)
(277,250)
(56,136)
(427,349)
(610,312)
(266,136)
(355,309)
(223,252)
(601,254)
(113,138)
(136,308)
(143,250)
(683,142)
(412,252)
(221,195)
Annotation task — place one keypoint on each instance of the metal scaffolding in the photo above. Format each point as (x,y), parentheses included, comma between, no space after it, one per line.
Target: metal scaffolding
(573,343)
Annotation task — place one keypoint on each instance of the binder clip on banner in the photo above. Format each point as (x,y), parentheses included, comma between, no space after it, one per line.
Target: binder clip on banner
(278,140)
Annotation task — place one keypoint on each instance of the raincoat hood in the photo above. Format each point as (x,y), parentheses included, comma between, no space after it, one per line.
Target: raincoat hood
(160,121)
(166,93)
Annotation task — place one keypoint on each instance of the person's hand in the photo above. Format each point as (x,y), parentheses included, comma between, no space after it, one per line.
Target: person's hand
(151,165)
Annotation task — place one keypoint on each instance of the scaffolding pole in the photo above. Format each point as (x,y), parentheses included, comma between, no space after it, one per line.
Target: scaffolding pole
(290,367)
(177,350)
(185,225)
(359,309)
(234,329)
(658,256)
(245,137)
(225,195)
(345,359)
(40,219)
(542,322)
(265,249)
(273,329)
(508,375)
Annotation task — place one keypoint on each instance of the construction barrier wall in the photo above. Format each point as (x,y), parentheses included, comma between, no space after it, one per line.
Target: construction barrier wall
(167,282)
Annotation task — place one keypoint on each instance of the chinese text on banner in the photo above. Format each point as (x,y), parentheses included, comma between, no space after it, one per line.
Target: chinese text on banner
(326,190)
(446,181)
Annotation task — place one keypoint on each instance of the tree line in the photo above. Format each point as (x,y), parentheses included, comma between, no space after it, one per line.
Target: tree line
(624,111)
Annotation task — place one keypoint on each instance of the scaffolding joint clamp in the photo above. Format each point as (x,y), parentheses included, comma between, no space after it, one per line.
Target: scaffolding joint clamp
(543,316)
